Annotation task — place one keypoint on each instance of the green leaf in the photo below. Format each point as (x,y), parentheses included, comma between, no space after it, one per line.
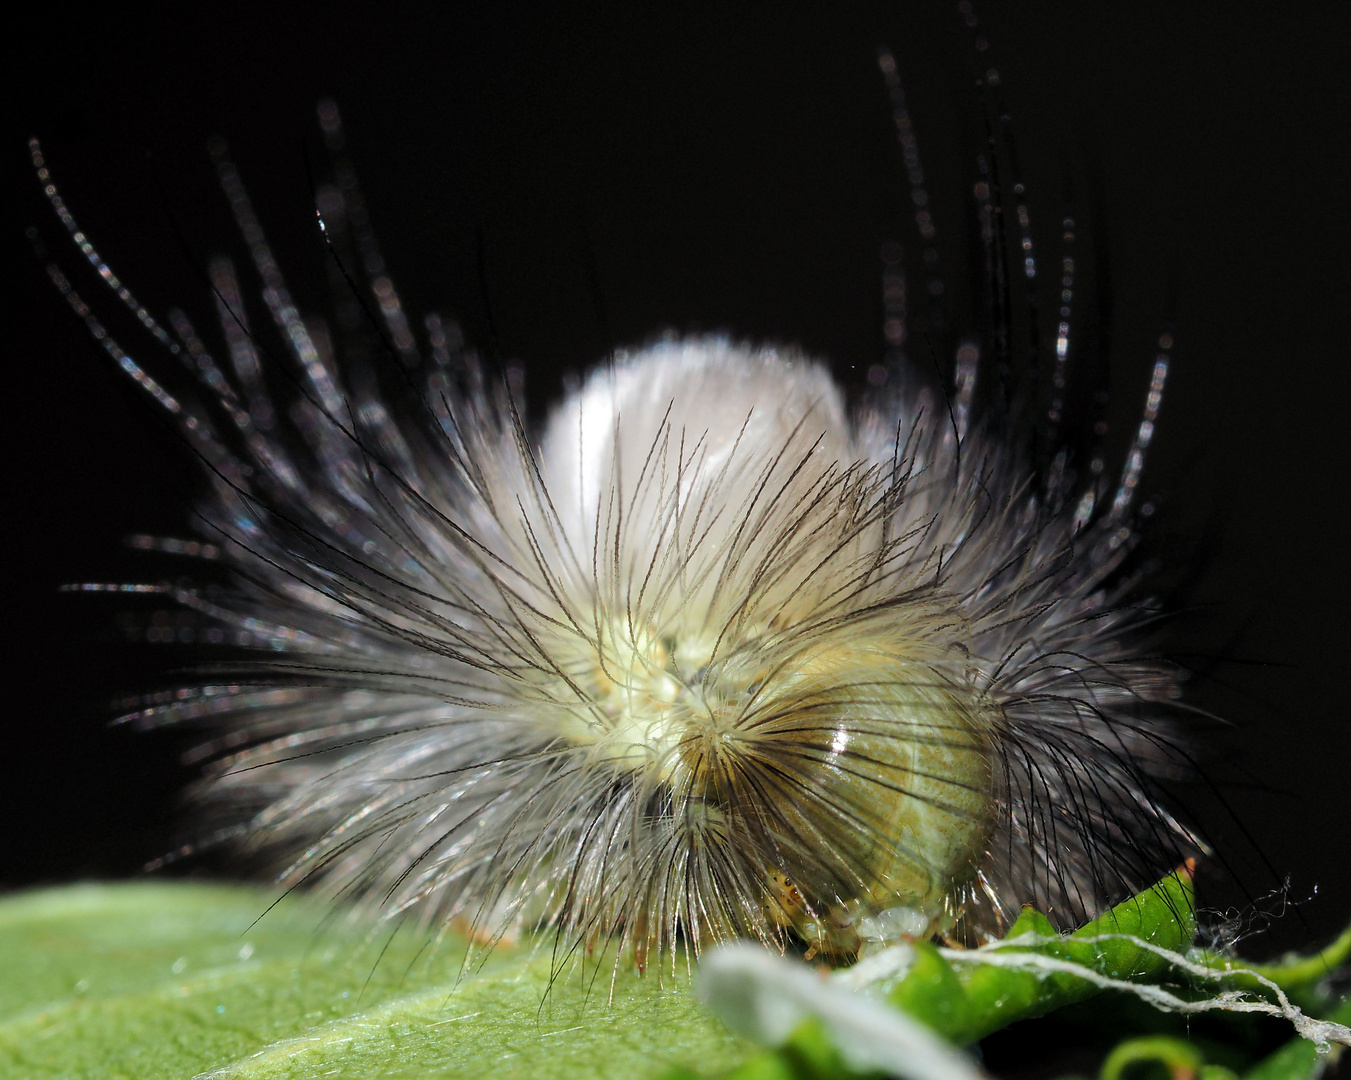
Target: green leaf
(967,995)
(967,1002)
(175,979)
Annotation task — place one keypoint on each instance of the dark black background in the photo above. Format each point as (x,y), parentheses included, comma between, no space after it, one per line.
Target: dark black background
(712,170)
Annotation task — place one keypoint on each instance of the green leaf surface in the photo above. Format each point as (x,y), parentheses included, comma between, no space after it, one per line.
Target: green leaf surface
(184,979)
(179,979)
(969,1001)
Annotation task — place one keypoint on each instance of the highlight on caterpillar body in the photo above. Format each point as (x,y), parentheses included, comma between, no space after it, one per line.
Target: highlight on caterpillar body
(717,651)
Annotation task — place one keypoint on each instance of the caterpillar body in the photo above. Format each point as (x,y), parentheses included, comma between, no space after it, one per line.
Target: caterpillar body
(719,650)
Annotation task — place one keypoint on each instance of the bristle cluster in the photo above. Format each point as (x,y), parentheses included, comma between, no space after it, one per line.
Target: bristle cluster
(715,656)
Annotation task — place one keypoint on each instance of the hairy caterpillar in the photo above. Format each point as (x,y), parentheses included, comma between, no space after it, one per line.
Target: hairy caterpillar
(644,329)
